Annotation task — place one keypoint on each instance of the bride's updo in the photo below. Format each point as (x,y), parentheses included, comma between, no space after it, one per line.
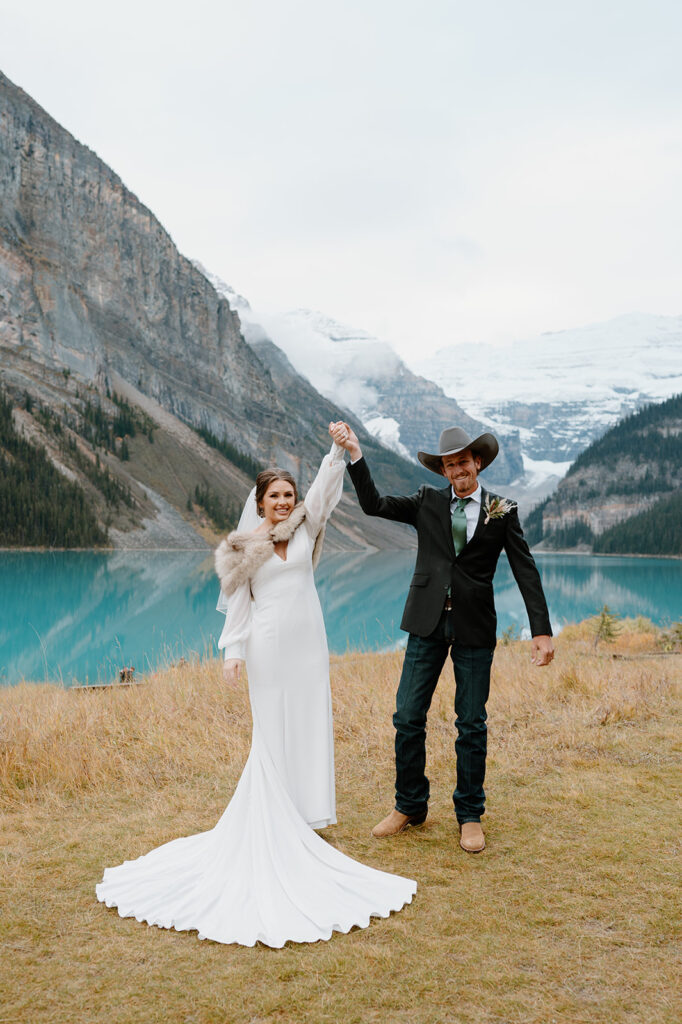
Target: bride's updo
(265,478)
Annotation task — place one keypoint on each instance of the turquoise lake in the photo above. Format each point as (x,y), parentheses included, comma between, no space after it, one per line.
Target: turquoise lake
(79,616)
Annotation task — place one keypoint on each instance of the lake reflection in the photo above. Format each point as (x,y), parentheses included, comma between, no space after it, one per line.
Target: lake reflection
(80,616)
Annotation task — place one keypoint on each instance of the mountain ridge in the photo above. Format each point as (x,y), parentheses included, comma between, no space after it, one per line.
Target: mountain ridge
(366,376)
(95,301)
(634,469)
(563,389)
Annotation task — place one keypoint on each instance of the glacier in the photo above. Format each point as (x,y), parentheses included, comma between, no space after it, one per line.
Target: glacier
(561,390)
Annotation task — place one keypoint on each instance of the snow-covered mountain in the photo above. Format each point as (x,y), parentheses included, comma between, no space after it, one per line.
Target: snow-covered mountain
(344,363)
(365,375)
(547,398)
(564,389)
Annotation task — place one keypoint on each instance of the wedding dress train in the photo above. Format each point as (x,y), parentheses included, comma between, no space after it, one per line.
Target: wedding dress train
(262,874)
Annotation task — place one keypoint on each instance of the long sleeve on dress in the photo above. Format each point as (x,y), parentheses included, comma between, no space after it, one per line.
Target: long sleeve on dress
(237,624)
(324,493)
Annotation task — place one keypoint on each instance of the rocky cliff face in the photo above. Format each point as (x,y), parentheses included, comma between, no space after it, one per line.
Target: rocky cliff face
(90,281)
(95,302)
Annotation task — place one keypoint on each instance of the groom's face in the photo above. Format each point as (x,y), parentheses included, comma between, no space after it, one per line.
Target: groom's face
(461,470)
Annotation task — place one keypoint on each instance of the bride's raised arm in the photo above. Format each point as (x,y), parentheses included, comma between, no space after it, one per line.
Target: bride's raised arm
(324,493)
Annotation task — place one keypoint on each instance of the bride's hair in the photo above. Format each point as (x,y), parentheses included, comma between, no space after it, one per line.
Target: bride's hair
(265,478)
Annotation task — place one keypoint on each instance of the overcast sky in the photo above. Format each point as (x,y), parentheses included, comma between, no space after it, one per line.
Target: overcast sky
(434,172)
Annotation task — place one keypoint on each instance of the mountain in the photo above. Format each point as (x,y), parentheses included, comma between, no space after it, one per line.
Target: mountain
(124,365)
(562,390)
(622,494)
(656,531)
(365,376)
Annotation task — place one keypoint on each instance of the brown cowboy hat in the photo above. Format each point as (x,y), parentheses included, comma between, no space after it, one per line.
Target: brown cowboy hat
(454,440)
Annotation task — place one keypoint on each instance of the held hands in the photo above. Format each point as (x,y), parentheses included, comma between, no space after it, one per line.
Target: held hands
(232,669)
(346,438)
(541,650)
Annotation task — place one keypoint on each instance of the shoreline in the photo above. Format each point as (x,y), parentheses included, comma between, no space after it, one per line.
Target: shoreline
(534,551)
(596,554)
(99,551)
(568,629)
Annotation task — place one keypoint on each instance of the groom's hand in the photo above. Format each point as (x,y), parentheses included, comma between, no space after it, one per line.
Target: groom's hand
(346,438)
(541,650)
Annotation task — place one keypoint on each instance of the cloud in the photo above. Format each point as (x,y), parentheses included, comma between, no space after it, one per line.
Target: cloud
(450,172)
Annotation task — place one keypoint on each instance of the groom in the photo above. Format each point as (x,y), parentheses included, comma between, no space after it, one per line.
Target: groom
(461,531)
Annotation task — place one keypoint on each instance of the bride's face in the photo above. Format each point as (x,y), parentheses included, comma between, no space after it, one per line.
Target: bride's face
(278,501)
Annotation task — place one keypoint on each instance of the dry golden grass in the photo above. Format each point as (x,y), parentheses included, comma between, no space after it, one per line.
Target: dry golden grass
(568,917)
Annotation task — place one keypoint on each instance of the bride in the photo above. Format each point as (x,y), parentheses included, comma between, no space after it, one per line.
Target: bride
(262,874)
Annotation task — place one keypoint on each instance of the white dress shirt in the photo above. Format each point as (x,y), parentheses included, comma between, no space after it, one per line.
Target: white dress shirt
(471,509)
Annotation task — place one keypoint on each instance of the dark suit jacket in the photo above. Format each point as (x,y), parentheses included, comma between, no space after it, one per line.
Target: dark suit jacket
(469,575)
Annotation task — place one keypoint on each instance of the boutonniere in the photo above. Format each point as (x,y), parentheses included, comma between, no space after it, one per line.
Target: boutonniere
(495,508)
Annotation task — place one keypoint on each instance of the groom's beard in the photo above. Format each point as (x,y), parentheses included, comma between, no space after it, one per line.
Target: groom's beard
(465,484)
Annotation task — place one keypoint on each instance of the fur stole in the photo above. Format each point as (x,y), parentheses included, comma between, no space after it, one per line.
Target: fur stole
(239,556)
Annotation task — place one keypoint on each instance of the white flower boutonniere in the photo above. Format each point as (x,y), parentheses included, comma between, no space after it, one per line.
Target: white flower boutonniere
(495,508)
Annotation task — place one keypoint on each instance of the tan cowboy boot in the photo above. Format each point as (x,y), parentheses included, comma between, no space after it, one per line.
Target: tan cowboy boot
(471,837)
(396,822)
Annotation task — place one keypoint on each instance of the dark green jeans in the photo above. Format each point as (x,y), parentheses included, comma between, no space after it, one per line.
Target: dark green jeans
(424,660)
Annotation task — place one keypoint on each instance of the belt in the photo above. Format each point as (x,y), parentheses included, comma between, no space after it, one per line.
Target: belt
(448,605)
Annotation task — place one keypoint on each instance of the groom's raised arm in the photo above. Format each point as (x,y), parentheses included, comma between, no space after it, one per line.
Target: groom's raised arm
(400,508)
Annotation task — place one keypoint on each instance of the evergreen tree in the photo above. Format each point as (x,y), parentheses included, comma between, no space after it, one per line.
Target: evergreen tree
(607,627)
(638,437)
(38,506)
(223,514)
(657,531)
(236,457)
(532,526)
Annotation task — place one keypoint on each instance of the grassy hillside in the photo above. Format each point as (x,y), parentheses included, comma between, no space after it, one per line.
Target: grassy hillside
(569,915)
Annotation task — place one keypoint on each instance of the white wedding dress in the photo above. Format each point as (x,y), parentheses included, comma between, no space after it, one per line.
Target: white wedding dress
(262,874)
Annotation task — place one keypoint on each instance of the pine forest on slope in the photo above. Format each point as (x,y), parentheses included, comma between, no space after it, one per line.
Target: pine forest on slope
(622,494)
(39,506)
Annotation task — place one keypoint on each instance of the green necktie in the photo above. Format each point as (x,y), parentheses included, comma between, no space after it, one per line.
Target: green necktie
(459,524)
